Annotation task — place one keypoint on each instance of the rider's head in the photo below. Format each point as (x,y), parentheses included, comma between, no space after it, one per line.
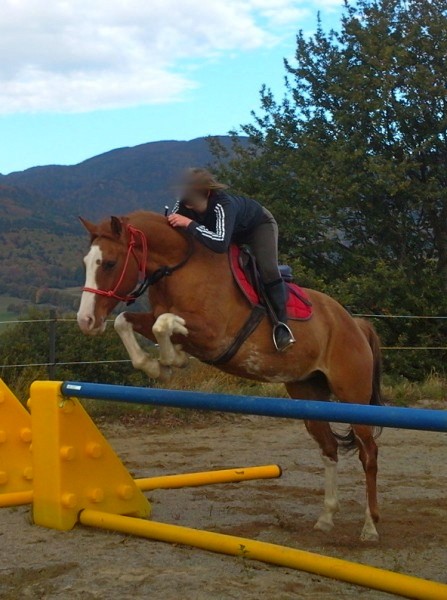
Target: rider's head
(197,186)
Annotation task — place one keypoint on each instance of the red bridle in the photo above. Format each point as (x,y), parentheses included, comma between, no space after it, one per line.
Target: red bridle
(142,266)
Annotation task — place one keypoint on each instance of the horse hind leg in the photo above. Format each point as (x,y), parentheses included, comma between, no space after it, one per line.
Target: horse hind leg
(368,453)
(352,383)
(321,432)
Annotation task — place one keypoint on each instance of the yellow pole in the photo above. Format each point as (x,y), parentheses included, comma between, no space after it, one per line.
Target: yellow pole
(208,477)
(370,577)
(16,498)
(169,482)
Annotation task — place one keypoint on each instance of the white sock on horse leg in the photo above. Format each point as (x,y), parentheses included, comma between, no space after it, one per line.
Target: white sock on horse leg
(331,505)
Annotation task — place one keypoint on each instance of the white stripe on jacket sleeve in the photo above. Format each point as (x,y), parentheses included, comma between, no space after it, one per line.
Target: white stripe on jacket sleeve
(219,234)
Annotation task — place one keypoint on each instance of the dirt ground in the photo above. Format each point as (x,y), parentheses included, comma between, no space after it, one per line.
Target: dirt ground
(86,564)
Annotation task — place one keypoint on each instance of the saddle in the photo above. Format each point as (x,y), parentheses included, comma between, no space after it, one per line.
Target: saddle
(246,274)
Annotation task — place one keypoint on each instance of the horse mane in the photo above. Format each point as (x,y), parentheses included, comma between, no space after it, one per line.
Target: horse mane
(148,214)
(136,218)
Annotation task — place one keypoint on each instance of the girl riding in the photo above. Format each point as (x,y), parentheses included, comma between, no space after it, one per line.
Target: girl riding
(217,218)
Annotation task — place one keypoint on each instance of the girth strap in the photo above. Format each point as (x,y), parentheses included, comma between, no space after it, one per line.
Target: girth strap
(255,317)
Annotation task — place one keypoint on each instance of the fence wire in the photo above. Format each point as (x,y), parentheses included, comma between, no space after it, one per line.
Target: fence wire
(94,362)
(379,316)
(61,364)
(360,315)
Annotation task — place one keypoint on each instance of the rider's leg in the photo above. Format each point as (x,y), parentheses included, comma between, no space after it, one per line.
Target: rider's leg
(264,244)
(277,294)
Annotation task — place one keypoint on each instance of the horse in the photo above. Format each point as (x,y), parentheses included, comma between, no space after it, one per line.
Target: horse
(197,309)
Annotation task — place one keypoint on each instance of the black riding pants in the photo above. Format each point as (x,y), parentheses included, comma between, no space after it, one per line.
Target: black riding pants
(263,241)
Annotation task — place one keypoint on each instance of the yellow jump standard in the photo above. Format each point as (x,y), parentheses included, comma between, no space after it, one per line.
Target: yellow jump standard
(16,471)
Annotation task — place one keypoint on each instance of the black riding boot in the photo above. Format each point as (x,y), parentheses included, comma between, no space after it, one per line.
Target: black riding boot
(277,294)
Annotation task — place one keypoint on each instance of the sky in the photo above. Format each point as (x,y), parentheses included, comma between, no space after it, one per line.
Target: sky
(81,77)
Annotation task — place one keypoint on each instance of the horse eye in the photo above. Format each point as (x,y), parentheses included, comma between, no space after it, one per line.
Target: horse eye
(108,265)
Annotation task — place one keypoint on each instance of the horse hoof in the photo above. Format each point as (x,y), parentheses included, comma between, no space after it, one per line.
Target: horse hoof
(369,536)
(182,359)
(165,373)
(148,366)
(323,525)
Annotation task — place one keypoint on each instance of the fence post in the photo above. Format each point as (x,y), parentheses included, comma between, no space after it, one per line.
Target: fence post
(52,346)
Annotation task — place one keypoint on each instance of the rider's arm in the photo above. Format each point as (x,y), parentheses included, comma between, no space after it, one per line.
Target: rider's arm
(220,239)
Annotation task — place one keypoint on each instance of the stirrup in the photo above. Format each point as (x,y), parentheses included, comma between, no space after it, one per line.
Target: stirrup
(283,327)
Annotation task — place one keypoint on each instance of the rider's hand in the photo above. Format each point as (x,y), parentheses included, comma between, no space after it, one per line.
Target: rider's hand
(176,220)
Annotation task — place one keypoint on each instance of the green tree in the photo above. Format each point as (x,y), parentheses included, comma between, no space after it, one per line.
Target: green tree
(353,160)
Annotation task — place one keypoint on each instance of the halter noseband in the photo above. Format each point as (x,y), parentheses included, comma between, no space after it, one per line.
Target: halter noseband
(144,279)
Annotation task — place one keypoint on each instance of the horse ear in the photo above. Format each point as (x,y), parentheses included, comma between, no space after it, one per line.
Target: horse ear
(116,225)
(91,227)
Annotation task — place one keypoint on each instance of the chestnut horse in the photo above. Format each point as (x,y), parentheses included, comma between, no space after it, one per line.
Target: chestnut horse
(198,309)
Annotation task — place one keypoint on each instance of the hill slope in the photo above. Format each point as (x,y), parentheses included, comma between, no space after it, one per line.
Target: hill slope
(118,181)
(41,239)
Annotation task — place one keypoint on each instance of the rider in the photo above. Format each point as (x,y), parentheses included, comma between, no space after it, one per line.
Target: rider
(216,218)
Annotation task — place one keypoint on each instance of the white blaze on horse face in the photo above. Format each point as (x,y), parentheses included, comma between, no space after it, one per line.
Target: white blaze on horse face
(86,312)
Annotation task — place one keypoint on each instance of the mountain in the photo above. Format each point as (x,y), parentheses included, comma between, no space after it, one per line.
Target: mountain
(41,239)
(118,181)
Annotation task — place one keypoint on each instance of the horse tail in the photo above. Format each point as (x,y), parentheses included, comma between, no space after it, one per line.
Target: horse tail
(347,442)
(374,342)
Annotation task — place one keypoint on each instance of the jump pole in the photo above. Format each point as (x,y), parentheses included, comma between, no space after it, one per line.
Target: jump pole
(335,568)
(16,499)
(381,416)
(170,482)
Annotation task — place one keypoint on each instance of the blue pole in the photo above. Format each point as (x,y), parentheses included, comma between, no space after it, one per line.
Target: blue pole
(385,416)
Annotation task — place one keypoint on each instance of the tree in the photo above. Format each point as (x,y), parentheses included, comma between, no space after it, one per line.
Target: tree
(353,159)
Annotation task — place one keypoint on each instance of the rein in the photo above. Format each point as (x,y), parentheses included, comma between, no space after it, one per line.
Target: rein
(145,279)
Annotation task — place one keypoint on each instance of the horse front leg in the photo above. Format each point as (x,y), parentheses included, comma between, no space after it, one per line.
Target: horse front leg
(126,324)
(167,325)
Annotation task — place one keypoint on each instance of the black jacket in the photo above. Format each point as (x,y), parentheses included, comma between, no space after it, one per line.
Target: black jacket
(228,218)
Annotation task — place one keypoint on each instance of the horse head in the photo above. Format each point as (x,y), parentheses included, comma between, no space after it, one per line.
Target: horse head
(112,267)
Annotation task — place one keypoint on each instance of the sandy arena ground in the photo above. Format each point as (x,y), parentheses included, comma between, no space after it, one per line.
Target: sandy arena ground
(89,564)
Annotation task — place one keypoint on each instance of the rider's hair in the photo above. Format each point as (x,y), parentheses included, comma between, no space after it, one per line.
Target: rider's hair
(201,180)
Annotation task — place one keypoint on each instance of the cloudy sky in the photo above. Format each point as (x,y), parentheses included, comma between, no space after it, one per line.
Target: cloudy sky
(80,77)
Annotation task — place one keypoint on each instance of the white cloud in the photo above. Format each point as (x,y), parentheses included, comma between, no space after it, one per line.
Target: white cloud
(79,55)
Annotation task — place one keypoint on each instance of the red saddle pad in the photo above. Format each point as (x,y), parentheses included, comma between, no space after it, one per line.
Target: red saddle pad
(297,308)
